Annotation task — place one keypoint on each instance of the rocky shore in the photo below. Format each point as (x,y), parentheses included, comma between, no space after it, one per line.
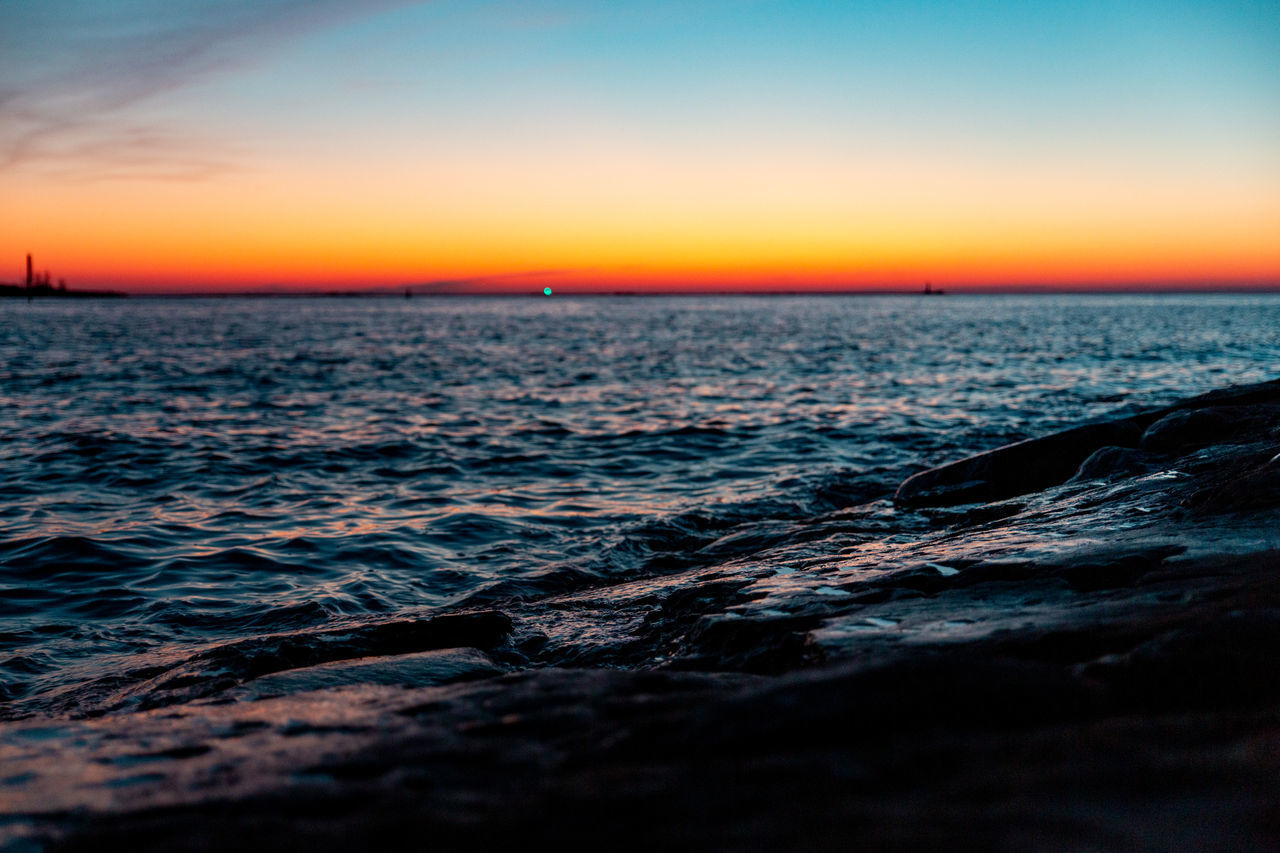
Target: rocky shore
(1068,643)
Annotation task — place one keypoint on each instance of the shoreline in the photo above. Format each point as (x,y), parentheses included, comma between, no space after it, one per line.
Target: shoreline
(1066,643)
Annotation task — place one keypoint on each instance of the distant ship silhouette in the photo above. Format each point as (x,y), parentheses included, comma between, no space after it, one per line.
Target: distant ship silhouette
(929,291)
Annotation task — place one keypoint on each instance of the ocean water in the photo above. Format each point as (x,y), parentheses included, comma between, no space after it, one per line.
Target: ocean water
(180,473)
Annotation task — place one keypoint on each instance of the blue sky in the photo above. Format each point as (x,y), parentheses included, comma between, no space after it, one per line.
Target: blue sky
(1133,95)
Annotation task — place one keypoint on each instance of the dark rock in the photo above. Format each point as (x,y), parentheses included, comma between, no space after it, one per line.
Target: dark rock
(1236,395)
(1244,484)
(923,693)
(987,514)
(1071,645)
(444,666)
(227,666)
(1015,469)
(1039,463)
(1190,428)
(1109,462)
(1227,662)
(1002,571)
(758,644)
(927,580)
(863,593)
(263,656)
(1091,577)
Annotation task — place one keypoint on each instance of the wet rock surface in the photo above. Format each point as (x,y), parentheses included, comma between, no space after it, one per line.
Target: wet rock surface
(1089,666)
(1016,469)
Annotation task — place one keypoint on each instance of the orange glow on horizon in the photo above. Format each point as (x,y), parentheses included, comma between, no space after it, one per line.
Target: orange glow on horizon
(513,230)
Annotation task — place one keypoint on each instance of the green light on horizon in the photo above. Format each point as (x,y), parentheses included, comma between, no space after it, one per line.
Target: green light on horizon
(546,291)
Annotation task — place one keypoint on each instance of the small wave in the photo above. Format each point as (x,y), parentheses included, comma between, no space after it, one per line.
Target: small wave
(66,558)
(217,668)
(232,562)
(227,615)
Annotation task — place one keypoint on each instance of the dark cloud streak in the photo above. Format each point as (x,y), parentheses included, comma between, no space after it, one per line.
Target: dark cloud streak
(71,69)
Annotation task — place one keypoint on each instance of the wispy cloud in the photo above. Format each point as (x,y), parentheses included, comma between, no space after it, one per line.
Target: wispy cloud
(70,70)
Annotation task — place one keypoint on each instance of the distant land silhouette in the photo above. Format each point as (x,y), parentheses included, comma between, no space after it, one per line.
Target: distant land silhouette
(41,284)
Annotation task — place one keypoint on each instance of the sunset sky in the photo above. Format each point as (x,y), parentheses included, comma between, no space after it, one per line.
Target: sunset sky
(168,145)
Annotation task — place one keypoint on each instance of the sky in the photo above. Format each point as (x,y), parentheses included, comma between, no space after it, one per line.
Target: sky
(232,145)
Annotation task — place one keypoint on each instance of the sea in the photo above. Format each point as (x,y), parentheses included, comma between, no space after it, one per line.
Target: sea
(181,473)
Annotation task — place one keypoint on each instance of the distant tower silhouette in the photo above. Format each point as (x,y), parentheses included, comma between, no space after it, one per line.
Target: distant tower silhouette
(29,282)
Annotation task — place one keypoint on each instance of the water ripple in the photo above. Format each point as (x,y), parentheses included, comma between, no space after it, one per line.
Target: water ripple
(187,473)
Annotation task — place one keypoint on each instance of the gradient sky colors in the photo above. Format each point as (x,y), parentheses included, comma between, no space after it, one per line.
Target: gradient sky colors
(163,145)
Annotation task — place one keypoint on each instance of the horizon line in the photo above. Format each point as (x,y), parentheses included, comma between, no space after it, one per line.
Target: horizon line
(954,290)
